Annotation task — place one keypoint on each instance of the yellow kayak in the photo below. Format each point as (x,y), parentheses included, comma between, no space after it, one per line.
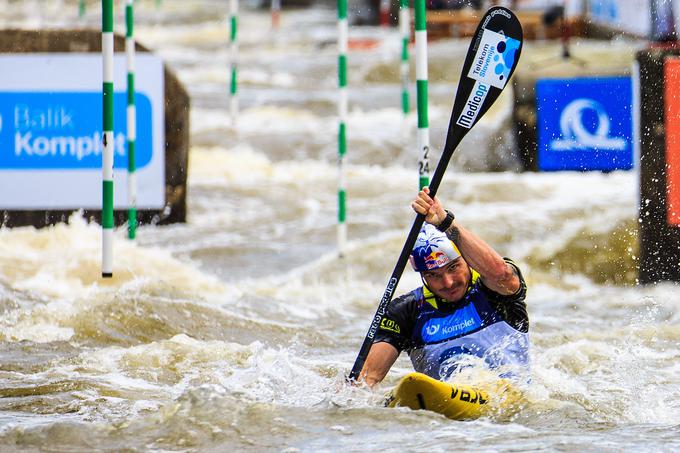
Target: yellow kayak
(458,402)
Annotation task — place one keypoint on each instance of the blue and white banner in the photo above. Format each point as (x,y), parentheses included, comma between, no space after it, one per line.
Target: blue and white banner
(584,124)
(62,130)
(51,126)
(631,16)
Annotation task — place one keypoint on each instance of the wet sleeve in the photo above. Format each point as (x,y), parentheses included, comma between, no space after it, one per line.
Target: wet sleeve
(512,308)
(397,324)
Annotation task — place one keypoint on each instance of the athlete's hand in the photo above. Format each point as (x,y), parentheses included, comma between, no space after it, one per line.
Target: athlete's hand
(430,207)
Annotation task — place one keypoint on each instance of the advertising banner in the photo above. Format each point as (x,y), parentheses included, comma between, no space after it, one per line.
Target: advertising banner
(672,125)
(51,131)
(571,7)
(632,16)
(584,124)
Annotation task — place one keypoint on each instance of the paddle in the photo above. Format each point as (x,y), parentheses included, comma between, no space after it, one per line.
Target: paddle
(490,61)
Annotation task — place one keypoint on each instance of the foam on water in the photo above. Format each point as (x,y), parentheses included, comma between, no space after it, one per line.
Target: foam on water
(62,262)
(59,268)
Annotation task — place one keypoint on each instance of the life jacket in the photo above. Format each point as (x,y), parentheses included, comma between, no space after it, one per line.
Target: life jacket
(444,339)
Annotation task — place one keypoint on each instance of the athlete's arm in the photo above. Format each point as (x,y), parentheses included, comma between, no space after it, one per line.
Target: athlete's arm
(496,274)
(380,359)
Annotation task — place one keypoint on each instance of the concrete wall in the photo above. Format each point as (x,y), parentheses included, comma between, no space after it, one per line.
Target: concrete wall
(176,127)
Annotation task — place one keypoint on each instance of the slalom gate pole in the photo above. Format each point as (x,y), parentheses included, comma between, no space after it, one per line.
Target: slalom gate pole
(343,33)
(233,56)
(276,13)
(82,8)
(384,13)
(131,119)
(107,155)
(405,31)
(421,94)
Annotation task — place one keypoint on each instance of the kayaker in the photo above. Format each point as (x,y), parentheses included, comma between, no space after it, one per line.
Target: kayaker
(471,304)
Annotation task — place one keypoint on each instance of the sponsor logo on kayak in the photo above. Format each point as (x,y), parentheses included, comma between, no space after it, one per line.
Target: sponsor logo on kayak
(469,396)
(473,105)
(495,58)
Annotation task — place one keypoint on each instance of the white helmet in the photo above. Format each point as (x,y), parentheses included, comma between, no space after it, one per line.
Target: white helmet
(432,250)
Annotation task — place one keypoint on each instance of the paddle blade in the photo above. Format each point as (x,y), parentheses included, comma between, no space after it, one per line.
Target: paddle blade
(491,59)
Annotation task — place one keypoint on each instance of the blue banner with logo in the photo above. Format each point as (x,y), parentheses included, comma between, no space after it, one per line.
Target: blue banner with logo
(51,141)
(585,124)
(62,130)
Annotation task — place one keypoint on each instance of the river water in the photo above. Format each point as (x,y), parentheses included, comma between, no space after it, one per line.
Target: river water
(236,329)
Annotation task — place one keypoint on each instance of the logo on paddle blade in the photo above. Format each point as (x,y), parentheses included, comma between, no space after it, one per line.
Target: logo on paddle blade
(495,57)
(473,105)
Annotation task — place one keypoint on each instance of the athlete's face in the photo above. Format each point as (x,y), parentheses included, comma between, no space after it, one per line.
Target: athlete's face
(449,282)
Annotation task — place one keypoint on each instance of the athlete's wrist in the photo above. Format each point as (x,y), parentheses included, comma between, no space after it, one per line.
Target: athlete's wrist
(447,222)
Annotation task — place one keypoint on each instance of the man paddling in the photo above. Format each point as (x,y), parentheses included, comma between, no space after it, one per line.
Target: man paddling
(471,305)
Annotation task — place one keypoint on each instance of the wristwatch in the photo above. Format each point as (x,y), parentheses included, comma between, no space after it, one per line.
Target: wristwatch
(446,223)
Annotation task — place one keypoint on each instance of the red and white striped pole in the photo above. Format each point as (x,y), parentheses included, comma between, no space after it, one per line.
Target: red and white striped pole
(384,13)
(276,14)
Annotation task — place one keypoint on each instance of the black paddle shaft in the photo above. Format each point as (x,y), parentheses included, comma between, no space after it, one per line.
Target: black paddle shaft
(490,61)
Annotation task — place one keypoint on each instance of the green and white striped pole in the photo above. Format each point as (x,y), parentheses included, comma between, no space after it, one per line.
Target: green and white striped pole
(421,94)
(107,155)
(233,51)
(342,128)
(131,119)
(405,29)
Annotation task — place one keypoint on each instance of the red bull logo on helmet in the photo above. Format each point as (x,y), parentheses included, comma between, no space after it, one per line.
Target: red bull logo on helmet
(436,259)
(432,250)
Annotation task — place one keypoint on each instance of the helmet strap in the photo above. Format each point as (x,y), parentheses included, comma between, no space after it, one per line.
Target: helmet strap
(437,300)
